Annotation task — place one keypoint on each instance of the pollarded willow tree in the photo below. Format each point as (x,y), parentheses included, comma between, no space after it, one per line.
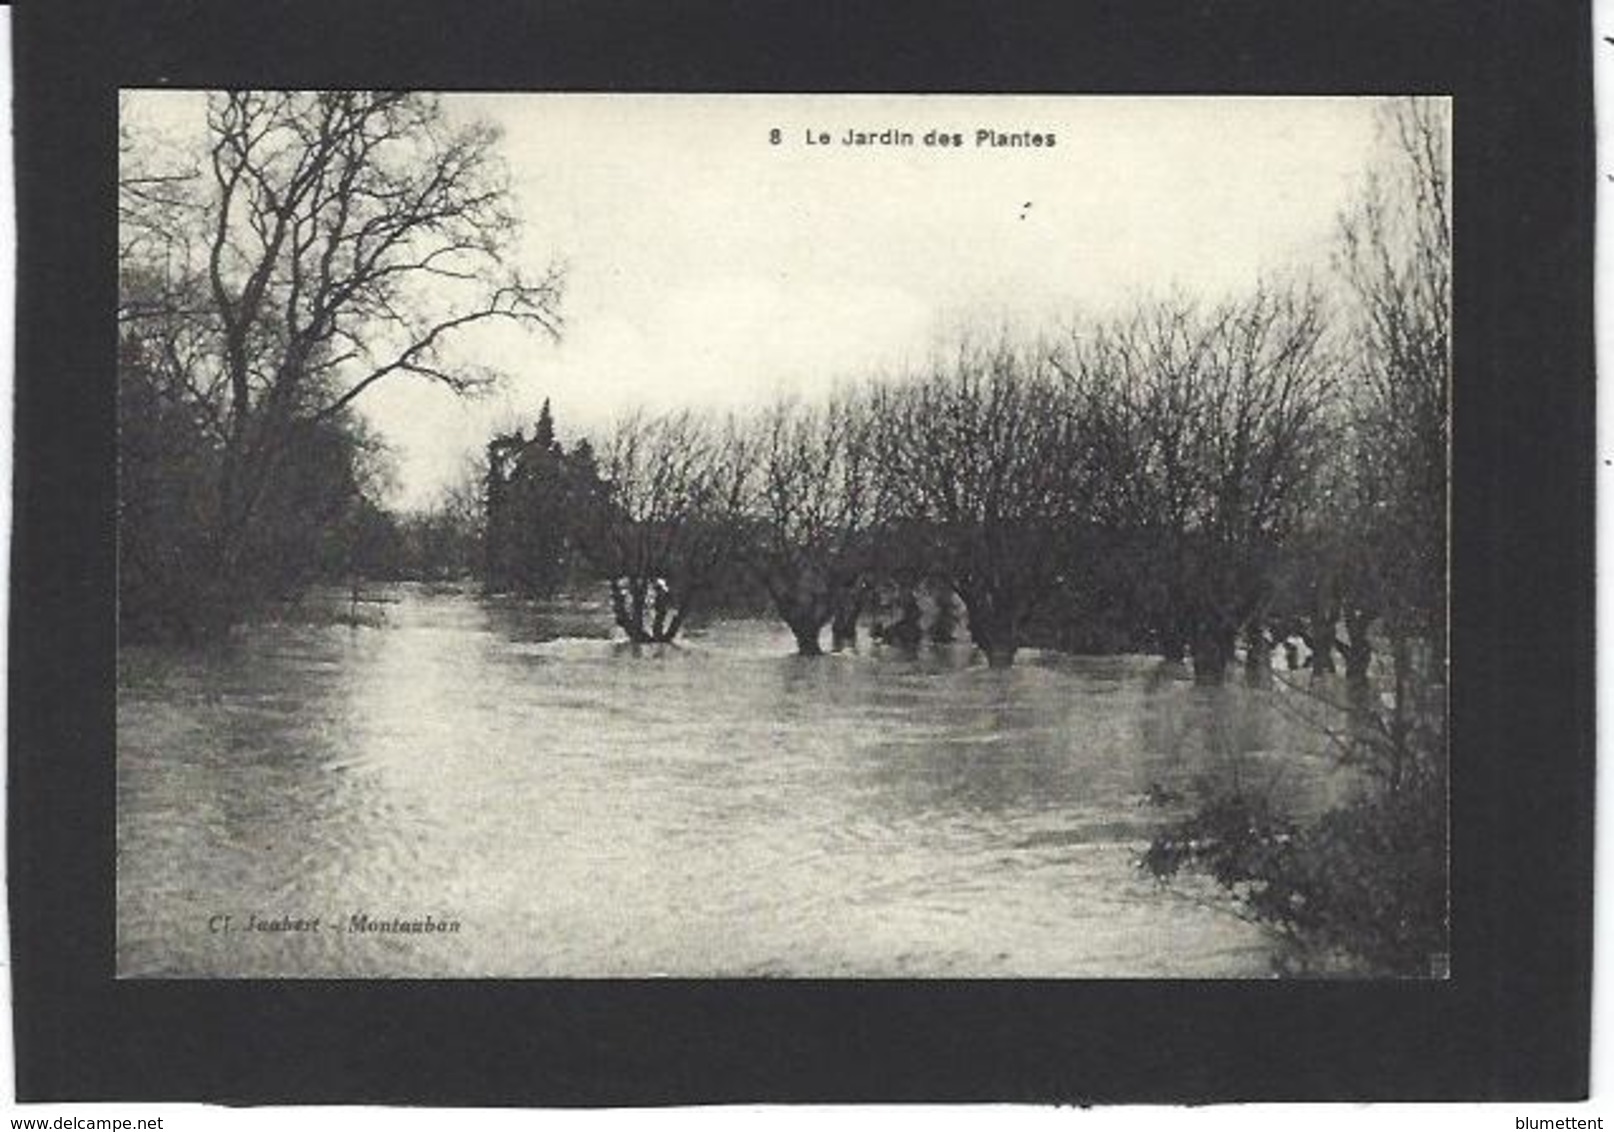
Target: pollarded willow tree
(1206,429)
(1137,382)
(668,520)
(1269,384)
(814,499)
(985,456)
(325,242)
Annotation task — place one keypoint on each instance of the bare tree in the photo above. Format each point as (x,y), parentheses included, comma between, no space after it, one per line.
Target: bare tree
(1139,383)
(1382,538)
(1396,257)
(330,241)
(814,498)
(1204,431)
(1270,382)
(156,188)
(982,455)
(676,489)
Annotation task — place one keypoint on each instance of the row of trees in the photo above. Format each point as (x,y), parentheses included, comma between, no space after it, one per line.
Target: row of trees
(1269,466)
(1197,472)
(1168,463)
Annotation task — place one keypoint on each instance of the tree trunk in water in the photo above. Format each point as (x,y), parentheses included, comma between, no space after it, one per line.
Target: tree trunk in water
(1358,654)
(944,626)
(992,628)
(996,638)
(660,607)
(619,608)
(803,603)
(211,614)
(843,632)
(806,633)
(1212,652)
(1319,638)
(1258,660)
(1173,640)
(633,603)
(1210,644)
(843,625)
(670,632)
(906,632)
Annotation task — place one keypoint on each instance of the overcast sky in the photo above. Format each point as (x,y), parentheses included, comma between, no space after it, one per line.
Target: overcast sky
(707,265)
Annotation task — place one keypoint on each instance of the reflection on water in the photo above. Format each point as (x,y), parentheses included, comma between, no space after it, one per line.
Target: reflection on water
(582,808)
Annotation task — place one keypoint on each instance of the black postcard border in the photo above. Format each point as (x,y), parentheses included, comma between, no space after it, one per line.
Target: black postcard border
(1512,1023)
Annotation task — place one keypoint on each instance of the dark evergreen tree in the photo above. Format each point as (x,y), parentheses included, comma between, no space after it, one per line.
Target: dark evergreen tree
(536,495)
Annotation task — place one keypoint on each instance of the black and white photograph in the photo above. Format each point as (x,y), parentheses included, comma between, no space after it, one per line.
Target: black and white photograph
(601,535)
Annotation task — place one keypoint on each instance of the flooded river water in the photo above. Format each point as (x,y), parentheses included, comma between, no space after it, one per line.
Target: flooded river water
(569,807)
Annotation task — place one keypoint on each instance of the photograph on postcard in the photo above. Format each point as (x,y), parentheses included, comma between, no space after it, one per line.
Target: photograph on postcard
(798,536)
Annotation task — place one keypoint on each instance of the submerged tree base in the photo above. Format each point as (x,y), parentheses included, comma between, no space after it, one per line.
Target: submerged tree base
(807,641)
(646,611)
